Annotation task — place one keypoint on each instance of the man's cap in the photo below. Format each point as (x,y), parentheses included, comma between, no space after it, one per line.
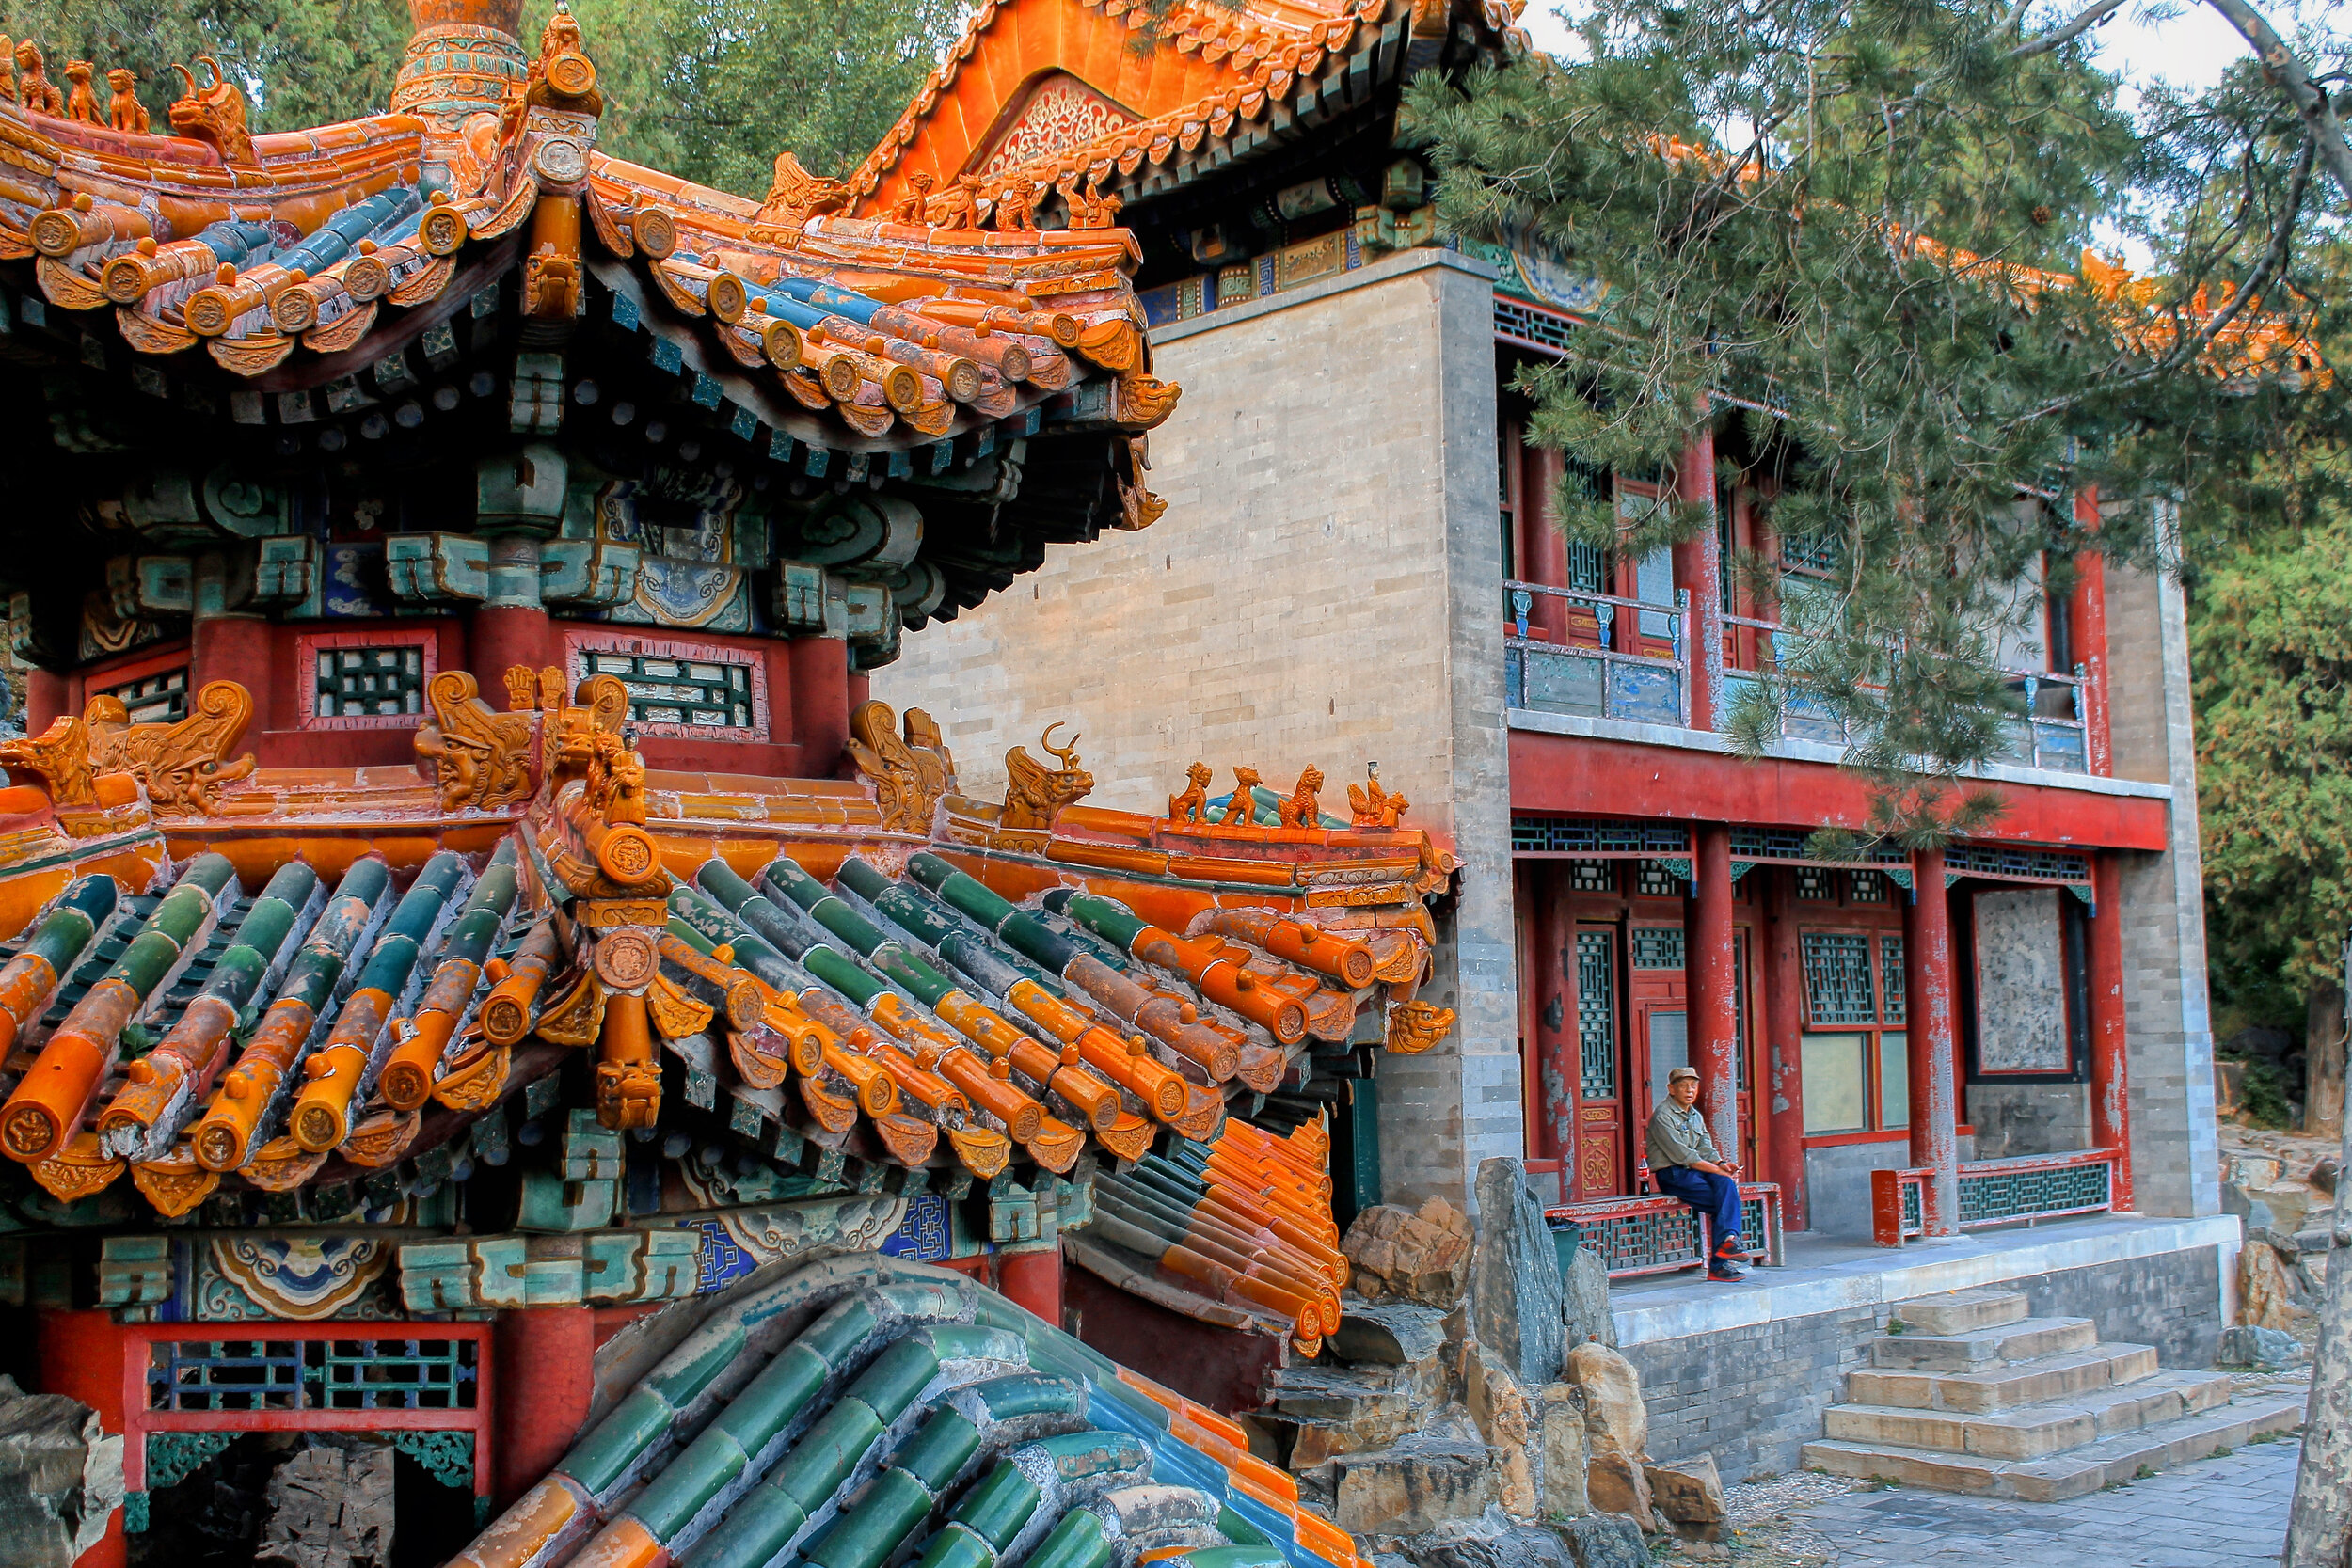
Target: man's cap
(1678,1074)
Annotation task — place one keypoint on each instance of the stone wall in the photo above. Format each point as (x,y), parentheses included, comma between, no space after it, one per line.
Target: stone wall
(1323,589)
(2168,1028)
(1753,1396)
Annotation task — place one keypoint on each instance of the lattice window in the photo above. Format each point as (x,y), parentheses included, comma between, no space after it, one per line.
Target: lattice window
(1818,553)
(1891,978)
(355,683)
(312,1375)
(1865,887)
(1535,328)
(1588,568)
(1658,948)
(158,699)
(1815,886)
(1837,978)
(1597,1014)
(1740,1006)
(1794,844)
(1592,877)
(1655,881)
(2001,1194)
(665,690)
(2018,865)
(1576,835)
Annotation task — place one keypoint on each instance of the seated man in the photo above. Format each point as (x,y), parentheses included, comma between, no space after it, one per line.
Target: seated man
(1684,1162)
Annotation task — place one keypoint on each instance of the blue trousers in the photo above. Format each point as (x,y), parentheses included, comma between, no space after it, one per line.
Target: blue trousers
(1715,1196)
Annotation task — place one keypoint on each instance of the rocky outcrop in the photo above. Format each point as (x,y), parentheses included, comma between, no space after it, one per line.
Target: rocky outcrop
(1401,1255)
(1514,1275)
(60,1477)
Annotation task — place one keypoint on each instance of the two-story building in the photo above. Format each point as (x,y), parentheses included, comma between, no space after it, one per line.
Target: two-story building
(1356,526)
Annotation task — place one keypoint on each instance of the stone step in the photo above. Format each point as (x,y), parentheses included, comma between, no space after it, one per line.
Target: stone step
(1323,1393)
(1963,1311)
(2033,1430)
(2022,1340)
(2005,1388)
(2073,1473)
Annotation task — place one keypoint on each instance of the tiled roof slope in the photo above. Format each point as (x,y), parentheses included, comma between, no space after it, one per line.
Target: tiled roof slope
(284,257)
(863,1411)
(1206,73)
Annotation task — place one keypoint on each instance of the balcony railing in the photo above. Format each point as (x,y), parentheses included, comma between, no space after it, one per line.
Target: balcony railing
(1996,1191)
(1566,651)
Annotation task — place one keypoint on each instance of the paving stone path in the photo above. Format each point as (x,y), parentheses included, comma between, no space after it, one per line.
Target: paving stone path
(2223,1512)
(2229,1512)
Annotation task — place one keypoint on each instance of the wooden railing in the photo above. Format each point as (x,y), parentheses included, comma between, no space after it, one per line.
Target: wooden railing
(2025,1188)
(1567,651)
(1659,1234)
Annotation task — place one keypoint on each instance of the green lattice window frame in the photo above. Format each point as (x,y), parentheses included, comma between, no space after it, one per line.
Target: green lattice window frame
(1837,986)
(1597,1013)
(676,687)
(160,697)
(1658,948)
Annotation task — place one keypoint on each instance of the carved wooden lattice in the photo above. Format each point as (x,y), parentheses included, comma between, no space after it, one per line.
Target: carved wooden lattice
(1837,977)
(1597,1014)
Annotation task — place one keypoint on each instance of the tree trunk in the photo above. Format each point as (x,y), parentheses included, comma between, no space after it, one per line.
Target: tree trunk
(2323,1062)
(2319,1526)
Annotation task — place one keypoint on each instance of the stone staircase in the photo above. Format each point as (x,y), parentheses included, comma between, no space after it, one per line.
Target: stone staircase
(1976,1396)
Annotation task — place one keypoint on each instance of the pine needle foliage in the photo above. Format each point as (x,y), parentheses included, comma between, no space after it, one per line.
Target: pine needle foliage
(1854,223)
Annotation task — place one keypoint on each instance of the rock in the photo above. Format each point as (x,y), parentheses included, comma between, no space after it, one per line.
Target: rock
(1604,1540)
(1514,1275)
(1414,1487)
(1560,1439)
(2246,1168)
(2253,1215)
(1420,1256)
(1616,1422)
(1391,1332)
(2288,1202)
(2264,1348)
(1354,1409)
(1498,1408)
(1616,1484)
(2325,1174)
(330,1508)
(1490,1541)
(1585,1300)
(60,1477)
(1688,1492)
(2267,1292)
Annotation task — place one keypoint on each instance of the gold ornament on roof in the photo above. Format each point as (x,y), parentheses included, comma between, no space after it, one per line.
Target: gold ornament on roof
(1193,804)
(1034,793)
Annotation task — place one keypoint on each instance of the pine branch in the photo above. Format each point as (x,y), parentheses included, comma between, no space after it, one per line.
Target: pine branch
(2293,83)
(2057,38)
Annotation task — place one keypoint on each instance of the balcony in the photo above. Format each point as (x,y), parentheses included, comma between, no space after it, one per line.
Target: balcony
(1594,656)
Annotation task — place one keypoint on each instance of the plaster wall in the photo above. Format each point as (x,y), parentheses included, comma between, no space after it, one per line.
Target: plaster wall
(1320,590)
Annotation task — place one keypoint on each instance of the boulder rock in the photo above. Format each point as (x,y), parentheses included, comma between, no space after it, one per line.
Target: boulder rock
(1604,1540)
(330,1508)
(1414,1487)
(1403,1256)
(1616,1422)
(1391,1332)
(2267,1291)
(60,1477)
(1585,1300)
(1500,1408)
(1560,1439)
(2325,1174)
(1688,1492)
(1616,1484)
(2264,1348)
(1515,1290)
(2288,1202)
(1492,1540)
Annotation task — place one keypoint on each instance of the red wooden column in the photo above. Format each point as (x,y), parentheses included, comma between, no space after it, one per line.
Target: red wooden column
(542,1381)
(1927,985)
(1714,1005)
(1782,1026)
(237,648)
(1033,1279)
(2086,620)
(821,702)
(2110,1064)
(80,1354)
(503,636)
(1546,560)
(47,698)
(1699,568)
(1559,1063)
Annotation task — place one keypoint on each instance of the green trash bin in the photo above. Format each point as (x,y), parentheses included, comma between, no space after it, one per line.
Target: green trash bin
(1566,1236)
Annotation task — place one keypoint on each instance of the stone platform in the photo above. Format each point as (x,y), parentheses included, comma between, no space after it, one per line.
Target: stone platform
(1747,1371)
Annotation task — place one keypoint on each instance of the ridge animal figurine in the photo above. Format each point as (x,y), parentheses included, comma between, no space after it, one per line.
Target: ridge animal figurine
(124,111)
(1193,804)
(34,89)
(1243,807)
(81,101)
(1301,810)
(1034,793)
(1371,806)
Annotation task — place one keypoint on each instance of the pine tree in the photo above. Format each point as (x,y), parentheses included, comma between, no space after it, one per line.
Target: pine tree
(1861,222)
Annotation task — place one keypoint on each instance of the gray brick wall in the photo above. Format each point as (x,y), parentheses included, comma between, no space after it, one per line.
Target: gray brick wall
(1753,1396)
(1324,589)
